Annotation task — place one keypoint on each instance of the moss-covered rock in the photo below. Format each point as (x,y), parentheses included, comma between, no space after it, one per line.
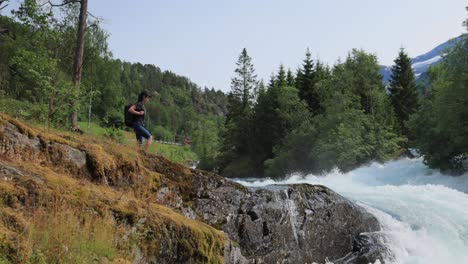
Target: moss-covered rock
(151,210)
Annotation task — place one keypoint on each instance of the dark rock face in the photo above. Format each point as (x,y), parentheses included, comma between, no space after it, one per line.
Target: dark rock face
(286,224)
(367,248)
(17,145)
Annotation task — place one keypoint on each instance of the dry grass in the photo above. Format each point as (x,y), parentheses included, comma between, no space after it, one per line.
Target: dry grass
(50,216)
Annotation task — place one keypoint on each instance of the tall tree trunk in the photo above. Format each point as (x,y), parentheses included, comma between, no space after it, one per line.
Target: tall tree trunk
(3,30)
(78,61)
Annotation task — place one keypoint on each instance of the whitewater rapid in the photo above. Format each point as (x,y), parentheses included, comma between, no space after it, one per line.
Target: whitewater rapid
(423,213)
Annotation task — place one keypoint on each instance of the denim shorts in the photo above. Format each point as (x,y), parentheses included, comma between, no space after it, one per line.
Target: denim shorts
(140,133)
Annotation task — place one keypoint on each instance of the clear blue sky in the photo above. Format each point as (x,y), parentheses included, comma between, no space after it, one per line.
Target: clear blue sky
(202,39)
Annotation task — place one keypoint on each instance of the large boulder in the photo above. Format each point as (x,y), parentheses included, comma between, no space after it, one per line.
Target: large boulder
(287,223)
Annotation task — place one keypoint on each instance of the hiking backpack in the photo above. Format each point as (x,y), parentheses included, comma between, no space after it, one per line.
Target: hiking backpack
(129,118)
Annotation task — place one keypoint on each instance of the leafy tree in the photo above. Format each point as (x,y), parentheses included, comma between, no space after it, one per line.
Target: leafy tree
(342,142)
(36,66)
(349,131)
(206,143)
(364,79)
(440,126)
(358,79)
(403,92)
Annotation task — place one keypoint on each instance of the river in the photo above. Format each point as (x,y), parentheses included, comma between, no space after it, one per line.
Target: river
(423,213)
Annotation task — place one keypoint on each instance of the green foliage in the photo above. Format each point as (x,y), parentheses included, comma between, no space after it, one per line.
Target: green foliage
(36,65)
(37,257)
(205,142)
(244,84)
(277,112)
(161,133)
(240,103)
(308,82)
(114,134)
(440,126)
(16,108)
(340,118)
(34,72)
(179,154)
(293,154)
(343,143)
(253,132)
(290,79)
(354,127)
(403,90)
(93,129)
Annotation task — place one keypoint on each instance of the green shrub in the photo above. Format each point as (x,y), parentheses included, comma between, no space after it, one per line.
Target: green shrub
(161,133)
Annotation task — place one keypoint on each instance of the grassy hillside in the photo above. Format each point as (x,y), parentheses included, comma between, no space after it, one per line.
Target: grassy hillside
(54,210)
(22,111)
(176,153)
(36,68)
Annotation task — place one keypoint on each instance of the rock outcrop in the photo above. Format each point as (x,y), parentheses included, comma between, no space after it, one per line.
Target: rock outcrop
(286,224)
(278,224)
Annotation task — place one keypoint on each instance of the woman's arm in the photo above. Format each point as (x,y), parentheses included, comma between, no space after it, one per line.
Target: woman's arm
(132,110)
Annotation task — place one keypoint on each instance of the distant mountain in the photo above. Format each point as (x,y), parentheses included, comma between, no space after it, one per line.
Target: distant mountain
(422,62)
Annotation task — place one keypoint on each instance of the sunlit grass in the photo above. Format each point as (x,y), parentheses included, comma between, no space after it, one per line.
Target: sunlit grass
(53,215)
(93,132)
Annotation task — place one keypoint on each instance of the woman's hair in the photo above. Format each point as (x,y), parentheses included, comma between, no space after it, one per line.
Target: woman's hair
(142,95)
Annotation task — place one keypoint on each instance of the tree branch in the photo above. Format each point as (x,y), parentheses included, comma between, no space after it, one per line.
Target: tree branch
(1,2)
(62,4)
(95,17)
(92,25)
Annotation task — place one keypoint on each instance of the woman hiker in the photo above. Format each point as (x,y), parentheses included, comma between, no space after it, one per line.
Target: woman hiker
(139,111)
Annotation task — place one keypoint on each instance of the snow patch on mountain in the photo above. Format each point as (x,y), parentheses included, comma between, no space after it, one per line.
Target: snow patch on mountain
(422,63)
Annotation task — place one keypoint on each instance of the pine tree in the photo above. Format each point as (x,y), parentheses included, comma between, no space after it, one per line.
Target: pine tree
(261,88)
(244,84)
(403,91)
(298,78)
(281,78)
(306,83)
(234,159)
(240,99)
(322,71)
(276,112)
(290,80)
(272,81)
